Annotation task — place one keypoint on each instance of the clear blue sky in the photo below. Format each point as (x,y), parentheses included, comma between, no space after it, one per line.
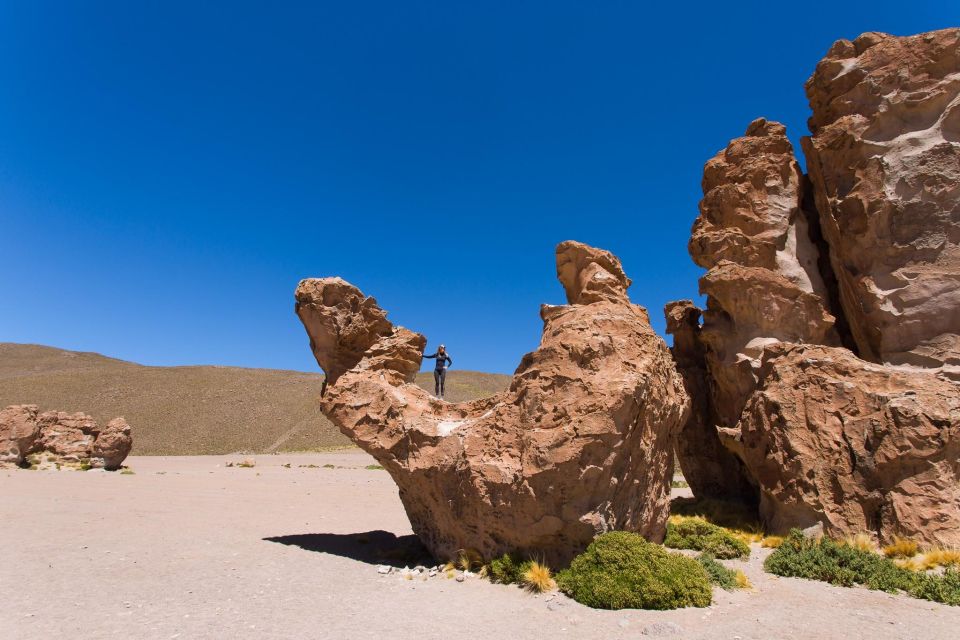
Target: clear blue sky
(169,171)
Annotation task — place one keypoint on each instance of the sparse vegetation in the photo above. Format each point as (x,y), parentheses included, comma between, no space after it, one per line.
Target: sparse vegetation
(846,564)
(693,532)
(126,471)
(621,570)
(373,467)
(679,484)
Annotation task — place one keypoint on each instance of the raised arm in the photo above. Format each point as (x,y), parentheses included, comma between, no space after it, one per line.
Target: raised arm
(433,356)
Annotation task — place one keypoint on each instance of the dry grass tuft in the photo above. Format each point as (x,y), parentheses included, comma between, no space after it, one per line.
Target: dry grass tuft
(910,564)
(538,578)
(901,548)
(939,558)
(861,542)
(771,542)
(743,582)
(469,559)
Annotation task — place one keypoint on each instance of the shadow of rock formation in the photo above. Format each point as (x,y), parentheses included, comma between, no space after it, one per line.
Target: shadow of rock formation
(373,547)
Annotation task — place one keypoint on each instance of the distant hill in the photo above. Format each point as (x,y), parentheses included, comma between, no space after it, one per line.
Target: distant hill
(193,410)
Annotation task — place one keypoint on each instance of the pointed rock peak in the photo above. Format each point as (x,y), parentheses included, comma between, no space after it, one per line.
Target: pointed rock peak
(764,127)
(589,274)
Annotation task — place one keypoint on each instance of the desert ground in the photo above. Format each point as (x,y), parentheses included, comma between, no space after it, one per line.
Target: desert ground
(187,547)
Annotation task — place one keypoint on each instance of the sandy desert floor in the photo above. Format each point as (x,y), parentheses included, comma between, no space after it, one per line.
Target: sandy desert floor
(189,548)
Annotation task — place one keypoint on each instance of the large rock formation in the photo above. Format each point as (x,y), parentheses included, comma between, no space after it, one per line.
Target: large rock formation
(581,443)
(853,445)
(862,259)
(63,437)
(884,159)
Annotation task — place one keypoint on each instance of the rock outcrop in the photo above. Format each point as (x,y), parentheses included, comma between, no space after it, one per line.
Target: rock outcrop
(18,433)
(853,445)
(884,160)
(832,326)
(63,437)
(581,443)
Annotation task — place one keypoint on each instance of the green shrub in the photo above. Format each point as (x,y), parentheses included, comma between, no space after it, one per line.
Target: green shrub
(508,569)
(621,570)
(718,574)
(943,588)
(698,534)
(836,563)
(846,565)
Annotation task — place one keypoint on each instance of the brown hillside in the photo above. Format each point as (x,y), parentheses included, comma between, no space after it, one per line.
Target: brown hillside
(193,410)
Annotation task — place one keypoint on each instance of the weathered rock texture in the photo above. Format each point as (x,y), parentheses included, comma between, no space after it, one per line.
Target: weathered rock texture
(708,467)
(64,437)
(884,159)
(857,446)
(860,258)
(579,444)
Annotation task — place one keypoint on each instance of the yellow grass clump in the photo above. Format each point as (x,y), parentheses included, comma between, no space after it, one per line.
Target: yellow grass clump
(743,582)
(538,578)
(901,548)
(939,558)
(469,559)
(771,542)
(861,542)
(910,564)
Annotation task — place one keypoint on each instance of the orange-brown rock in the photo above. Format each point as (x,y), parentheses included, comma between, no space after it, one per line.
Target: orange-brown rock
(884,159)
(581,442)
(66,437)
(18,432)
(854,445)
(708,467)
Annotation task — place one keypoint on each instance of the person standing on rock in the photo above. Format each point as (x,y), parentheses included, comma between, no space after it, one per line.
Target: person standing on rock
(440,371)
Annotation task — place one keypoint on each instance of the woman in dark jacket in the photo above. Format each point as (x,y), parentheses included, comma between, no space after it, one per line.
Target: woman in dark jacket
(440,371)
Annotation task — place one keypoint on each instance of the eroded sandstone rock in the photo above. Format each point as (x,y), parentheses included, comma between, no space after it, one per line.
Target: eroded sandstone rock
(64,437)
(884,159)
(581,442)
(18,432)
(763,282)
(848,443)
(856,446)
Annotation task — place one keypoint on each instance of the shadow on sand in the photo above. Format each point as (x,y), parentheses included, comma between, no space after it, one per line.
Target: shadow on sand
(372,547)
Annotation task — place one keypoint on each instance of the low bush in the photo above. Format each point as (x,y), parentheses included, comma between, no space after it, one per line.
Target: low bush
(684,532)
(718,574)
(507,569)
(621,570)
(844,564)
